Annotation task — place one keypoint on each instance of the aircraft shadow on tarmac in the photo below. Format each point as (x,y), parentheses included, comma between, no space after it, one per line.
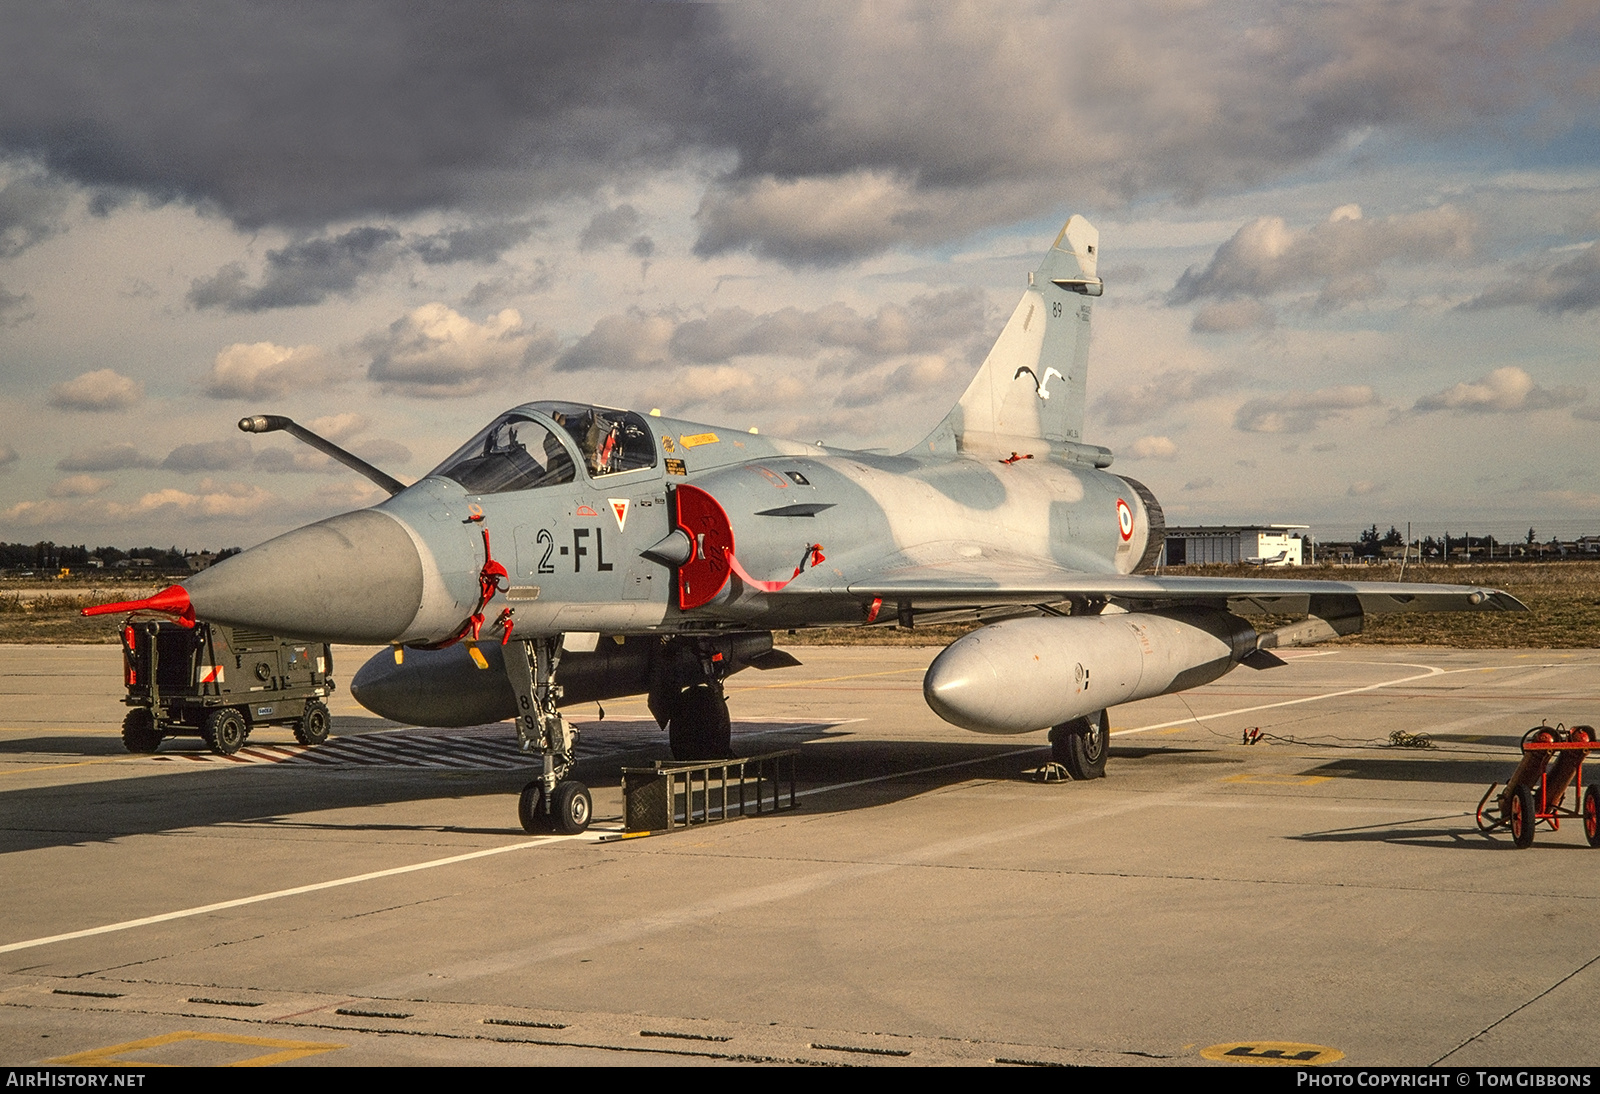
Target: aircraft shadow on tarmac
(1456,837)
(1408,770)
(279,795)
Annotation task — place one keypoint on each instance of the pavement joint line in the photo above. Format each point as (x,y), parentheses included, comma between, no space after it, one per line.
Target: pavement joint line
(924,770)
(239,902)
(1515,1010)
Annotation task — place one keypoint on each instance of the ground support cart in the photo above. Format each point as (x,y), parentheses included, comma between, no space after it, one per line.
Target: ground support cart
(219,683)
(1552,762)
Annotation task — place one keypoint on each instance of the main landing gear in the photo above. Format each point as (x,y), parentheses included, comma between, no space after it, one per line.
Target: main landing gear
(1080,745)
(552,802)
(687,700)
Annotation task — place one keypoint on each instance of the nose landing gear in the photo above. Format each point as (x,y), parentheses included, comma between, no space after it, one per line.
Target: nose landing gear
(552,802)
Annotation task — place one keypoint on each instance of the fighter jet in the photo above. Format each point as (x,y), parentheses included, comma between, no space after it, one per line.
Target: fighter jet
(570,553)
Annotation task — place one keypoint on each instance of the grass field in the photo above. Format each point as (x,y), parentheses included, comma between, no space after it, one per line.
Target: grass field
(1563,600)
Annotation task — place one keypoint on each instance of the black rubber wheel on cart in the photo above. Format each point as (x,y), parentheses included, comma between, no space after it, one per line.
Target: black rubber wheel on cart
(1591,816)
(530,809)
(1522,817)
(224,731)
(312,728)
(573,807)
(698,725)
(139,732)
(1080,745)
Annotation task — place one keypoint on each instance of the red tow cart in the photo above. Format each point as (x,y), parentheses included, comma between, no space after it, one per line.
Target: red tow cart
(1552,761)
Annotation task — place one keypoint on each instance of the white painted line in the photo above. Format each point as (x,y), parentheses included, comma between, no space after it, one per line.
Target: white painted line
(223,905)
(1432,672)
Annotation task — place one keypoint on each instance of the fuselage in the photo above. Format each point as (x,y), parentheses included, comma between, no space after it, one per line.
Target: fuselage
(573,538)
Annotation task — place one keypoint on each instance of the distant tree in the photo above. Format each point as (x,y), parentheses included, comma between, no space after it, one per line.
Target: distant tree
(1391,538)
(1531,539)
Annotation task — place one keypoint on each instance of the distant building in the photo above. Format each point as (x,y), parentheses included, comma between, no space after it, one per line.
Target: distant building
(1256,544)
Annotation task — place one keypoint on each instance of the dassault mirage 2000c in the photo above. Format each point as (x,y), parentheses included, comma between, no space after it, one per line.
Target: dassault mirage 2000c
(570,553)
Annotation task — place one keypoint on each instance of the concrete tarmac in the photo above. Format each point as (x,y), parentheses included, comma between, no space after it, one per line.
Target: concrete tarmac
(1320,894)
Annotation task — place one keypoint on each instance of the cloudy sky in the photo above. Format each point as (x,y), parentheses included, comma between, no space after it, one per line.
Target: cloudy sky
(1350,248)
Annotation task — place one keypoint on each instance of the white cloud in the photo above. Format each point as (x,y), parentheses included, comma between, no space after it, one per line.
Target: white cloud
(436,352)
(234,500)
(78,486)
(1153,448)
(1503,391)
(1341,255)
(1233,315)
(1167,389)
(103,389)
(339,427)
(1301,411)
(263,370)
(1362,487)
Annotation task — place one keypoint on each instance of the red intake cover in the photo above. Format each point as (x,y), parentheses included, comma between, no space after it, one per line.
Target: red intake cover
(707,527)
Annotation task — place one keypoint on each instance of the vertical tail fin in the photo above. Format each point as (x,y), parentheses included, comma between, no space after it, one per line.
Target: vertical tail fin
(1031,386)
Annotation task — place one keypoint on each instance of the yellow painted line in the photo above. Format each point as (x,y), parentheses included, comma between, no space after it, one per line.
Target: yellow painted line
(1278,780)
(109,1056)
(74,763)
(223,905)
(101,731)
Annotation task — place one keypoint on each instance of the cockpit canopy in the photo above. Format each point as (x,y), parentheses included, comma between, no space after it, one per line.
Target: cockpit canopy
(519,450)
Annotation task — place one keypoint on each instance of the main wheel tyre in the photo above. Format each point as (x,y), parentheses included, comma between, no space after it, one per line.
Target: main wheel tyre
(312,728)
(1080,745)
(1591,816)
(224,731)
(139,732)
(572,808)
(1522,817)
(698,726)
(530,809)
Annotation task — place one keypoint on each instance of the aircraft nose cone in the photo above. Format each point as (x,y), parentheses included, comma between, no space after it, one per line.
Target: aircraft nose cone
(963,687)
(351,578)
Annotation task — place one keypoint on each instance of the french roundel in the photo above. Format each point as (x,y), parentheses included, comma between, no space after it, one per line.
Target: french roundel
(1124,520)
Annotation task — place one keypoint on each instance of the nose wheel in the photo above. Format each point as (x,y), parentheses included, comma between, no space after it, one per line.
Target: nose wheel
(552,802)
(569,811)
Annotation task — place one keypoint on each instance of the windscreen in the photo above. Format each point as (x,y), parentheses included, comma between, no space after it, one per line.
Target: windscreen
(513,453)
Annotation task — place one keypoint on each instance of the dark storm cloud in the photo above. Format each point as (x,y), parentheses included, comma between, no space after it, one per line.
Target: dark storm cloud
(302,273)
(609,226)
(483,243)
(311,270)
(847,128)
(208,456)
(1572,286)
(13,307)
(30,212)
(110,457)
